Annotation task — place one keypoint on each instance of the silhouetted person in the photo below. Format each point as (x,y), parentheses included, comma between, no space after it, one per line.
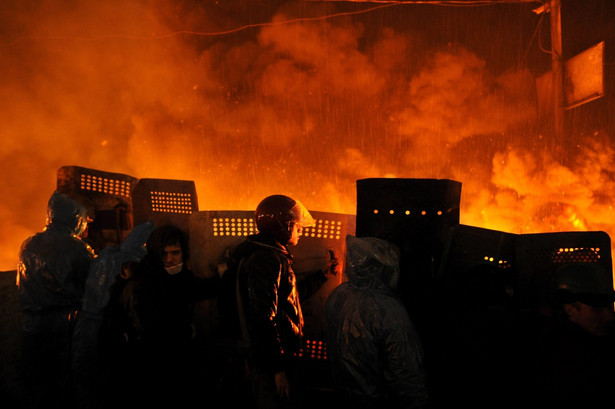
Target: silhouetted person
(160,302)
(270,298)
(374,349)
(577,355)
(89,368)
(53,268)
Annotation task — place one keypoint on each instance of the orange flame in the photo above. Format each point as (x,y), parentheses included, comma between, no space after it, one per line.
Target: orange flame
(303,108)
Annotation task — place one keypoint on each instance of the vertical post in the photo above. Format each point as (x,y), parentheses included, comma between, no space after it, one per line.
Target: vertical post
(557,65)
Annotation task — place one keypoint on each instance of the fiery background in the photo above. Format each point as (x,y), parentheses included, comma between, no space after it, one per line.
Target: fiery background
(250,98)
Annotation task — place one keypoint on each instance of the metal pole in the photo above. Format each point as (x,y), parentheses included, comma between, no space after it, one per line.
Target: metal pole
(557,66)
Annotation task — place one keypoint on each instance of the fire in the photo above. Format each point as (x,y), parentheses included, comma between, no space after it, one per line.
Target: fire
(303,107)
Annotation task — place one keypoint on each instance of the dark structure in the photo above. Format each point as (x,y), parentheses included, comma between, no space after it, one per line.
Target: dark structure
(526,261)
(108,198)
(117,202)
(165,201)
(416,215)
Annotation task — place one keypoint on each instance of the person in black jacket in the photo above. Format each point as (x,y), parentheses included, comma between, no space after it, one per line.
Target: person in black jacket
(270,297)
(159,300)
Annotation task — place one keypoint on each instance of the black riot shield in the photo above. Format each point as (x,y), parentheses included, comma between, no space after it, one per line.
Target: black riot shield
(165,201)
(416,215)
(108,198)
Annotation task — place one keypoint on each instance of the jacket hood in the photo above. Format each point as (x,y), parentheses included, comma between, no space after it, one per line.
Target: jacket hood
(62,211)
(371,262)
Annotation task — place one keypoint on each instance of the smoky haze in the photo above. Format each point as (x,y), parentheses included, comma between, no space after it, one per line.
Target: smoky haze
(254,98)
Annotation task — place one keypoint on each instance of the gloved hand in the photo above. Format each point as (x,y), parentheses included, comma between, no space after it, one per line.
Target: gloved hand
(333,267)
(223,264)
(282,386)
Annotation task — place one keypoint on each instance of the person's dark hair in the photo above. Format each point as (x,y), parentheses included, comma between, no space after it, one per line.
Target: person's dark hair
(166,236)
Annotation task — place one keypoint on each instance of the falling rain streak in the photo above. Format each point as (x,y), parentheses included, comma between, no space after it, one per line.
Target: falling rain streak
(301,98)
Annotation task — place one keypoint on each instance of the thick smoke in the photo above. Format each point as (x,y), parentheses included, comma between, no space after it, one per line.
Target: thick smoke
(297,105)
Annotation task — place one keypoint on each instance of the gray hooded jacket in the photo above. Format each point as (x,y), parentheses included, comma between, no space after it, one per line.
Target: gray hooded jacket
(54,263)
(375,352)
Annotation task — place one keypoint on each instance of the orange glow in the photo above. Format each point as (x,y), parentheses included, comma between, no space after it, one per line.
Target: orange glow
(303,108)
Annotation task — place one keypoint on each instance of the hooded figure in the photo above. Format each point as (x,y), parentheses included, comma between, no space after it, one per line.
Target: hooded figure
(53,264)
(53,267)
(375,352)
(104,272)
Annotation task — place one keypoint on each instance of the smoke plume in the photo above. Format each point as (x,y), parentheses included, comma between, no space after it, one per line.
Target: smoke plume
(249,100)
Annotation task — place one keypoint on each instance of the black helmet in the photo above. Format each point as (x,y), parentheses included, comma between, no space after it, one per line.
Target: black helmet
(589,283)
(276,214)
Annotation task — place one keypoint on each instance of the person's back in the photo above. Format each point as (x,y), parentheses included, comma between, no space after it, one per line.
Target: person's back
(53,267)
(369,318)
(52,271)
(375,352)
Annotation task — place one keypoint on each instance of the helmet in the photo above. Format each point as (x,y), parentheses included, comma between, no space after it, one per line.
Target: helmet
(585,282)
(276,215)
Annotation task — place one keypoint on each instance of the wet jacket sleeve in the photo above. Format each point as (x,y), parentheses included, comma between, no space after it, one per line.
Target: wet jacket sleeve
(262,271)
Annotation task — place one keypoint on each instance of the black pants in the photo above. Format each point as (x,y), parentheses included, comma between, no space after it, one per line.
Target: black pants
(46,359)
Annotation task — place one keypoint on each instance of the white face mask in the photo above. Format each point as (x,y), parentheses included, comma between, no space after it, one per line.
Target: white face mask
(174,269)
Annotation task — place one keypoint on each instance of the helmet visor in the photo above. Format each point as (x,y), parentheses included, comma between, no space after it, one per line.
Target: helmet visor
(301,216)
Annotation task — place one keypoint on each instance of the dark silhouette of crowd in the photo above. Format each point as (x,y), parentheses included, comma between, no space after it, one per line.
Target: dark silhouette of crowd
(116,329)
